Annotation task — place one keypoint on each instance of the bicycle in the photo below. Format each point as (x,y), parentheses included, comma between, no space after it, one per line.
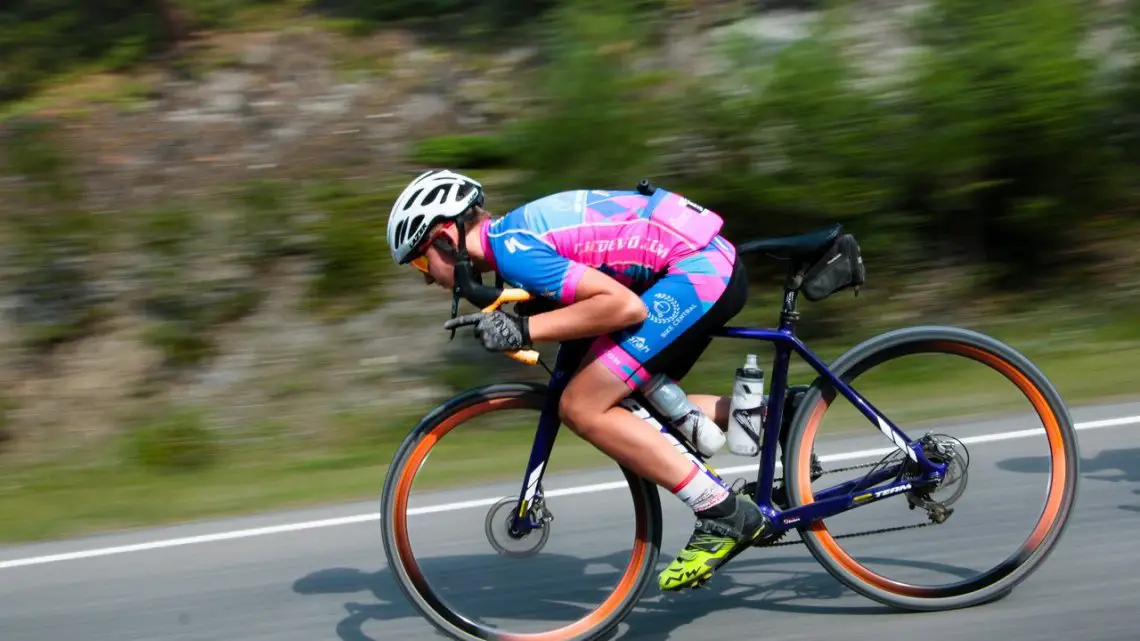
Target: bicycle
(924,465)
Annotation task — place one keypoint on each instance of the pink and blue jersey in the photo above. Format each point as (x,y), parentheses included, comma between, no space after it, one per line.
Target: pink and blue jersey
(664,247)
(546,245)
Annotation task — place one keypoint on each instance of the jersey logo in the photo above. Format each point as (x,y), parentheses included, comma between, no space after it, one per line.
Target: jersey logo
(694,206)
(512,244)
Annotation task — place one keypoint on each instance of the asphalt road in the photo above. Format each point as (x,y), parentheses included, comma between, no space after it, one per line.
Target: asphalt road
(330,581)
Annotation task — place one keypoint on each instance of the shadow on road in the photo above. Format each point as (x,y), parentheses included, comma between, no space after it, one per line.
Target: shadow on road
(486,587)
(1114,466)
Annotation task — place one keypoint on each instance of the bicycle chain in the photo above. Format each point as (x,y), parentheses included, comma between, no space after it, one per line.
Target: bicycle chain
(898,528)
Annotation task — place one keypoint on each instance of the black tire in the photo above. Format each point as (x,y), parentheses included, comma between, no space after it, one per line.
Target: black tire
(1064,457)
(400,476)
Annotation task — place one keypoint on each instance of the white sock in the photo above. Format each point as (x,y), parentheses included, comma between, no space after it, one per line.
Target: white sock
(700,491)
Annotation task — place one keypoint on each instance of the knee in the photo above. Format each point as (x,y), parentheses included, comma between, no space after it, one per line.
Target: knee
(568,410)
(577,413)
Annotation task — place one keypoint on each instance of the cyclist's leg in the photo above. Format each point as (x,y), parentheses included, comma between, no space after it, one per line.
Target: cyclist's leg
(589,406)
(617,364)
(698,294)
(735,520)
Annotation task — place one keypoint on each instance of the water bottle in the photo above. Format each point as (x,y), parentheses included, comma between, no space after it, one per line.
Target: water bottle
(745,416)
(640,412)
(688,419)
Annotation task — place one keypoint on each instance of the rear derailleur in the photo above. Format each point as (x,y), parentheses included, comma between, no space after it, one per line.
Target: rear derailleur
(936,500)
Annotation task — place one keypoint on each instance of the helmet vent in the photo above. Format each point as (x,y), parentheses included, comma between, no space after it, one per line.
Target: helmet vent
(440,190)
(416,222)
(412,200)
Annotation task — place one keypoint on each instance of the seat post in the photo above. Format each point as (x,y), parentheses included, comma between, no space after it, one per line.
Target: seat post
(788,313)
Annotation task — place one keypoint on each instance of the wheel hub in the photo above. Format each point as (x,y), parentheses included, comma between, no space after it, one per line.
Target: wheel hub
(936,500)
(508,539)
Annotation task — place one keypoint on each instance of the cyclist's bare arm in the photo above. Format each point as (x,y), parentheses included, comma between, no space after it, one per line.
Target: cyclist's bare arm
(602,305)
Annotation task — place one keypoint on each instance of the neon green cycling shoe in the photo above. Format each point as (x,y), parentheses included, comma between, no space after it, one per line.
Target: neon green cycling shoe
(715,541)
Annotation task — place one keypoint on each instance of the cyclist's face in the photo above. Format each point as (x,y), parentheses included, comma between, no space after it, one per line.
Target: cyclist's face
(437,263)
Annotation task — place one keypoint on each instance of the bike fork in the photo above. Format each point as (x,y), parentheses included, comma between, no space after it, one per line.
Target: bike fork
(530,495)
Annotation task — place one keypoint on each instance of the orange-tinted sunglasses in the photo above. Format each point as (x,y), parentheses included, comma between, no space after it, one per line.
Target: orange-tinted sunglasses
(421,262)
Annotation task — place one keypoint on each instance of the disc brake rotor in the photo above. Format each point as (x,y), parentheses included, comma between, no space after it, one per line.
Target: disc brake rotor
(940,448)
(498,524)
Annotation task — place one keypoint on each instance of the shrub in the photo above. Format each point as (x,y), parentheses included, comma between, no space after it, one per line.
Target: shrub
(351,250)
(41,38)
(172,440)
(51,237)
(989,147)
(266,222)
(464,151)
(589,94)
(182,343)
(1006,146)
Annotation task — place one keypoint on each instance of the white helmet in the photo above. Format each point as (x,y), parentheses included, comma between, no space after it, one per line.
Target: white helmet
(434,195)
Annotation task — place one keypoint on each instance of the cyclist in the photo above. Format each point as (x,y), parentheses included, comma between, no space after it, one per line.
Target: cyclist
(646,276)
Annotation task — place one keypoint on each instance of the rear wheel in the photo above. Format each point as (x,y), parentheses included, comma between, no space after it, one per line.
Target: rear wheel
(594,622)
(1061,457)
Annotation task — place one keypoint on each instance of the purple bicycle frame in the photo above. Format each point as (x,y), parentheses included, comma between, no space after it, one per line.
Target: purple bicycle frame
(825,503)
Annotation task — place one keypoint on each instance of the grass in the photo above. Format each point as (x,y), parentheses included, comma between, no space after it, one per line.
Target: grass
(101,490)
(75,496)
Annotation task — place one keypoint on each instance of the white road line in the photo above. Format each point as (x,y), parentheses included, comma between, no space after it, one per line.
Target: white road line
(449,507)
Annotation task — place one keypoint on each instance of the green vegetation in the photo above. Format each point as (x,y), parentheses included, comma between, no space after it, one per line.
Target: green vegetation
(45,39)
(351,259)
(172,465)
(470,151)
(991,178)
(174,441)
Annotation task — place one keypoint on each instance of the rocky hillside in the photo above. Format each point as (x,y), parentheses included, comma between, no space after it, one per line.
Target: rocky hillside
(207,231)
(189,282)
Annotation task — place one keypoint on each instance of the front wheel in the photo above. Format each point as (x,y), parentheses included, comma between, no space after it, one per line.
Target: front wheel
(979,517)
(632,572)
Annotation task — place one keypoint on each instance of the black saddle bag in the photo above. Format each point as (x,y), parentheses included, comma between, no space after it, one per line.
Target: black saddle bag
(840,267)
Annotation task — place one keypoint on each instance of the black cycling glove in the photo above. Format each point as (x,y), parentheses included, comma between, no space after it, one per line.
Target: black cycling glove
(499,331)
